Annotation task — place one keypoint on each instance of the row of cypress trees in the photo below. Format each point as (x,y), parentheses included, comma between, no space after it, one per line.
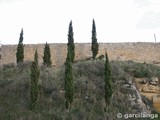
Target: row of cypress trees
(69,86)
(47,55)
(20,52)
(35,71)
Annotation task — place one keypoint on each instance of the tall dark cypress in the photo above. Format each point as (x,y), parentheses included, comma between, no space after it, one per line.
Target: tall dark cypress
(47,55)
(108,81)
(69,86)
(20,49)
(70,44)
(95,45)
(34,77)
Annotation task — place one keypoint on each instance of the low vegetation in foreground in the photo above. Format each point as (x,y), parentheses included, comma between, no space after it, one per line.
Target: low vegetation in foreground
(89,101)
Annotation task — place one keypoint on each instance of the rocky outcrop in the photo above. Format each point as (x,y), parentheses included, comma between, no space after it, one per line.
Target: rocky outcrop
(156,102)
(154,81)
(136,99)
(150,89)
(150,85)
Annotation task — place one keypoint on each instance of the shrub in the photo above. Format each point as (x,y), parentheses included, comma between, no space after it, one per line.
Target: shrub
(101,57)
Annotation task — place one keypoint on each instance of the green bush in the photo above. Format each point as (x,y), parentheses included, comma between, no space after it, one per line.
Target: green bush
(140,70)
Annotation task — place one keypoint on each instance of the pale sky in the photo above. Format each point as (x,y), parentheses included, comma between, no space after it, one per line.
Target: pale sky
(48,20)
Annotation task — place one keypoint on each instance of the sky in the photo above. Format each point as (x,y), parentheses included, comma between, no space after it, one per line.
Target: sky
(48,20)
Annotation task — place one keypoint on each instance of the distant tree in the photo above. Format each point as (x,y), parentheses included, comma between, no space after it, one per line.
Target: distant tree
(95,45)
(47,55)
(108,81)
(20,49)
(70,44)
(34,76)
(69,86)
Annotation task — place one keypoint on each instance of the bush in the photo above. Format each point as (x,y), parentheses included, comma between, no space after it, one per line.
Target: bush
(140,70)
(101,57)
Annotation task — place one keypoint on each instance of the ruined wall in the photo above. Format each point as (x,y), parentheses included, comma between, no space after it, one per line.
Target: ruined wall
(140,52)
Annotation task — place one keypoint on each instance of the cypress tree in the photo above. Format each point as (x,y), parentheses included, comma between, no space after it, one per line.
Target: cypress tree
(47,55)
(95,45)
(34,76)
(69,87)
(20,49)
(70,44)
(108,81)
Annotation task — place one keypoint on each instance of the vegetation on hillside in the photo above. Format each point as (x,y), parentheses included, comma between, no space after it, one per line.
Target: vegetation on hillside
(89,101)
(82,90)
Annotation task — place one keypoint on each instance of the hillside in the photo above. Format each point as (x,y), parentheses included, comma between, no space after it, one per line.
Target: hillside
(89,103)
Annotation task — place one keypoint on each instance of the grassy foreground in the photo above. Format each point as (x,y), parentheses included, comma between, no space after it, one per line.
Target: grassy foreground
(89,102)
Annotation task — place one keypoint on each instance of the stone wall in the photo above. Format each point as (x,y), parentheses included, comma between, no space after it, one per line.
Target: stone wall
(139,52)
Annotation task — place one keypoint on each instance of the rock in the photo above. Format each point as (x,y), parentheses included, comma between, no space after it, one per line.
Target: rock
(133,103)
(86,97)
(150,89)
(159,81)
(131,98)
(154,88)
(154,81)
(144,88)
(156,102)
(126,85)
(130,81)
(62,91)
(144,81)
(54,96)
(139,101)
(148,107)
